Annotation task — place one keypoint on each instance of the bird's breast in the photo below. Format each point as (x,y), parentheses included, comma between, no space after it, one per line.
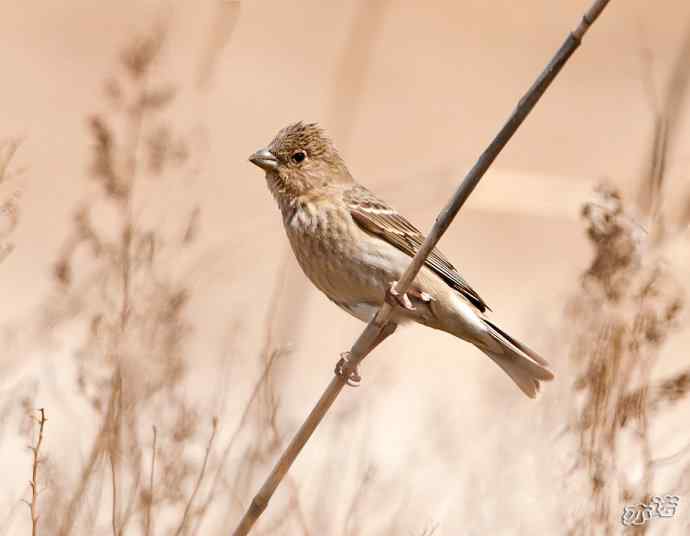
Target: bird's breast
(334,253)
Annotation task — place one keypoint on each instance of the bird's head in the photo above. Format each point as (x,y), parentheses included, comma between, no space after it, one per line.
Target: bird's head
(299,159)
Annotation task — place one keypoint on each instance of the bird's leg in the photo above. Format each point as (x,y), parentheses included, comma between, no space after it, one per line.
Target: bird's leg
(394,298)
(343,369)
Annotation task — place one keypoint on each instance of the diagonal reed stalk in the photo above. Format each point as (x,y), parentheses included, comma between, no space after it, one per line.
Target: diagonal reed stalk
(379,328)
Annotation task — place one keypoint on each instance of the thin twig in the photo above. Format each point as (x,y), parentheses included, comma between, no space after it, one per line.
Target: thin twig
(36,451)
(114,451)
(379,328)
(99,448)
(136,466)
(149,507)
(183,522)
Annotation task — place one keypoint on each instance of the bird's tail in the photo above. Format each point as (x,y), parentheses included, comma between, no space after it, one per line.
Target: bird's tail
(525,367)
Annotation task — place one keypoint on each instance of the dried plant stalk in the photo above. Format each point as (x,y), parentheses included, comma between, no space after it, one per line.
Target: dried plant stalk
(33,483)
(148,521)
(380,328)
(182,527)
(628,305)
(134,305)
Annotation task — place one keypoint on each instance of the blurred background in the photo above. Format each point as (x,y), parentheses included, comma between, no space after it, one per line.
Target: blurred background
(150,303)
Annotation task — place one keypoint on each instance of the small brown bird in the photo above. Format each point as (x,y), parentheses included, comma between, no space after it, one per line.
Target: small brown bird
(353,247)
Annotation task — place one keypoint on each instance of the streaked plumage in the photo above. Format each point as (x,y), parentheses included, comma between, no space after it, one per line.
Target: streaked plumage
(352,245)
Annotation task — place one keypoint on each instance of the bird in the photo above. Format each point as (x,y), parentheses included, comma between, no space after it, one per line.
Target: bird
(353,247)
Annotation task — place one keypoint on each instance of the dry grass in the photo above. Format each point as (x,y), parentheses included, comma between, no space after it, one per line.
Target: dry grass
(130,363)
(629,305)
(631,301)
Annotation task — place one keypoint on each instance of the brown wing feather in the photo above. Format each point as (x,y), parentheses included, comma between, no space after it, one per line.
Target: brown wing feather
(375,217)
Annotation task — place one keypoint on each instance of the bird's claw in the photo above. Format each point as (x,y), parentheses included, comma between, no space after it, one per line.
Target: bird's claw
(421,295)
(344,370)
(395,298)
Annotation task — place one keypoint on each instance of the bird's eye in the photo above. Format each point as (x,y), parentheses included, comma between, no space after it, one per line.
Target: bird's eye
(299,157)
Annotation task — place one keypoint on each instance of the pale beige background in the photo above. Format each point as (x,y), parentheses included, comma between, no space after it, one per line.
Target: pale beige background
(437,83)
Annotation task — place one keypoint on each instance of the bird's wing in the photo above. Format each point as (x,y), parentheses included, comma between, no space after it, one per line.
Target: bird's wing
(374,216)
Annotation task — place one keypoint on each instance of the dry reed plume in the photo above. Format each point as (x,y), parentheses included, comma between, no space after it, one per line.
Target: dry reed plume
(630,302)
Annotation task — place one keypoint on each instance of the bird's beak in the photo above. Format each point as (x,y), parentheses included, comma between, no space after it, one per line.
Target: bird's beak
(264,159)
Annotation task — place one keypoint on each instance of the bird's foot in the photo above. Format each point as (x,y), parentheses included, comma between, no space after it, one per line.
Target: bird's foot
(348,373)
(420,295)
(395,298)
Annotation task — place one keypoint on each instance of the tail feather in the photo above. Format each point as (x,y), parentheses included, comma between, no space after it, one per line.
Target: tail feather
(522,364)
